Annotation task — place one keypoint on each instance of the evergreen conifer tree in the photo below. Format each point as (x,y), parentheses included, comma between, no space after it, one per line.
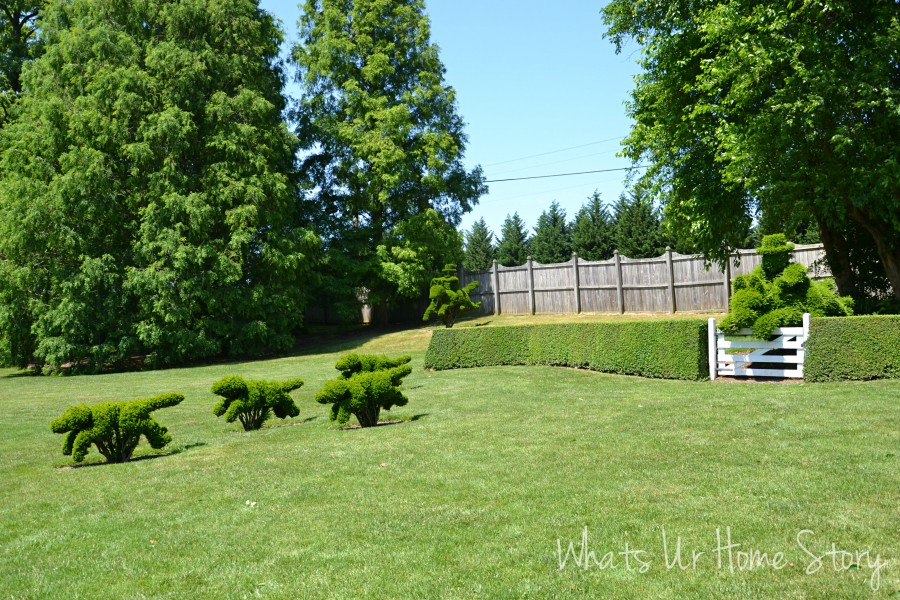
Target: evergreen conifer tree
(593,231)
(479,251)
(552,242)
(513,247)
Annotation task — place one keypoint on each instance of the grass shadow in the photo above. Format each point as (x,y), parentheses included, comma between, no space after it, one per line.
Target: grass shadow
(399,421)
(174,452)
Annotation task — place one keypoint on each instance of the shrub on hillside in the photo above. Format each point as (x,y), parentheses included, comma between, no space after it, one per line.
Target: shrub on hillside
(367,384)
(253,401)
(675,349)
(114,427)
(446,300)
(778,292)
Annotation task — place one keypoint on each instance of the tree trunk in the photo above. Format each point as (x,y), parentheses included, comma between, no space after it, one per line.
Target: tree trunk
(837,253)
(887,243)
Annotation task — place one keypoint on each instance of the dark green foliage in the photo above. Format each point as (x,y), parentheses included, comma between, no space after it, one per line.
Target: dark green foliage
(382,145)
(114,427)
(18,43)
(593,232)
(514,244)
(552,242)
(661,349)
(776,254)
(777,293)
(639,232)
(148,200)
(367,385)
(776,108)
(253,401)
(479,251)
(446,300)
(853,348)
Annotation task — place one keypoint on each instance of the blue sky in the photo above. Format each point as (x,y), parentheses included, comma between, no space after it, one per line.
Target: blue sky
(533,79)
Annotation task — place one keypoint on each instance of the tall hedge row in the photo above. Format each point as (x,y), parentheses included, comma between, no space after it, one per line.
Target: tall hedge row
(663,349)
(842,348)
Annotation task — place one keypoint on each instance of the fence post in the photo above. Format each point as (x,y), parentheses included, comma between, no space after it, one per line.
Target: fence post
(577,284)
(672,307)
(496,289)
(713,352)
(620,293)
(806,317)
(530,286)
(727,281)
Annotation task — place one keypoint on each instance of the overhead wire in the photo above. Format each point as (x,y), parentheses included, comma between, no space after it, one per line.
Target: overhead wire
(503,162)
(564,174)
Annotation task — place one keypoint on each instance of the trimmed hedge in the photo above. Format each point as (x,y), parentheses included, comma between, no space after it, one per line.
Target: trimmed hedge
(661,349)
(842,348)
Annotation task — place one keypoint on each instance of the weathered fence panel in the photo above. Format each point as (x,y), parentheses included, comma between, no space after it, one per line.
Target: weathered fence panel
(670,283)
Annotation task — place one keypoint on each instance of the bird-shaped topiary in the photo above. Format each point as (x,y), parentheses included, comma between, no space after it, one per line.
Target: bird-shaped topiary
(367,384)
(252,401)
(778,292)
(114,427)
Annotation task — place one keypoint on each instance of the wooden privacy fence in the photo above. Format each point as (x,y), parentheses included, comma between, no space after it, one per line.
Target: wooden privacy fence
(671,283)
(780,357)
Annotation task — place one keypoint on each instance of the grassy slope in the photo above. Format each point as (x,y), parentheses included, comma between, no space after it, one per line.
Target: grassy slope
(467,500)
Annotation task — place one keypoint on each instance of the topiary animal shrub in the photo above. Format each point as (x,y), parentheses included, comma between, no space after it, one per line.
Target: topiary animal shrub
(447,301)
(252,401)
(778,292)
(367,384)
(114,427)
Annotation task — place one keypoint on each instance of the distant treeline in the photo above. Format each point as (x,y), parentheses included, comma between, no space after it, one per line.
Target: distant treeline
(633,226)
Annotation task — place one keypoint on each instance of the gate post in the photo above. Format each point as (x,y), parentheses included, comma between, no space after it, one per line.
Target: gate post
(713,351)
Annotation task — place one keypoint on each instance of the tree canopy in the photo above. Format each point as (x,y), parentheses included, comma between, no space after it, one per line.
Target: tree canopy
(783,107)
(147,188)
(382,141)
(638,228)
(18,44)
(593,231)
(513,247)
(479,247)
(552,242)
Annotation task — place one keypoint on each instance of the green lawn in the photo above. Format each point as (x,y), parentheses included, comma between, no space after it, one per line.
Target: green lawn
(467,498)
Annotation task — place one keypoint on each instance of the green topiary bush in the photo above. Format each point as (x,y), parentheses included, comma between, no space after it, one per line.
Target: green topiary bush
(446,301)
(253,401)
(114,427)
(367,384)
(675,349)
(849,348)
(777,293)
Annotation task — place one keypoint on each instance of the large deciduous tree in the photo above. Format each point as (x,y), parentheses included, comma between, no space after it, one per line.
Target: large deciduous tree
(383,143)
(147,188)
(787,107)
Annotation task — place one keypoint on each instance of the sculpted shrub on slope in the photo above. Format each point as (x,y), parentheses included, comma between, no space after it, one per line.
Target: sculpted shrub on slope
(114,427)
(778,292)
(367,384)
(253,401)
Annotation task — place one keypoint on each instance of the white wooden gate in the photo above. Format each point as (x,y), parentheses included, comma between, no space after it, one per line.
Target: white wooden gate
(787,349)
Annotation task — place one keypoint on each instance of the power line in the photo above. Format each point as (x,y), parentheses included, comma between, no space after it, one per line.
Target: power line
(503,162)
(563,174)
(507,170)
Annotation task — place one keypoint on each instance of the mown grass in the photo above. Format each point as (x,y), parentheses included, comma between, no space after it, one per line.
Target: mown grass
(465,499)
